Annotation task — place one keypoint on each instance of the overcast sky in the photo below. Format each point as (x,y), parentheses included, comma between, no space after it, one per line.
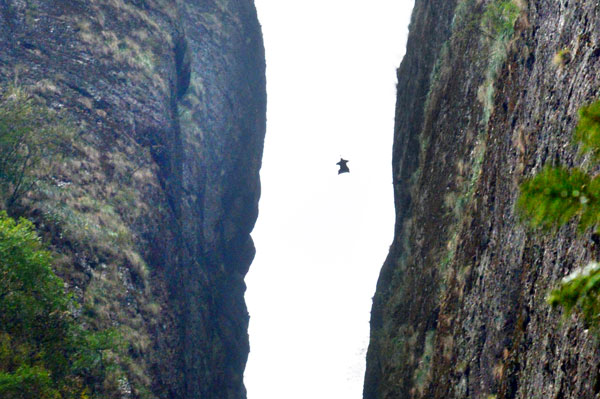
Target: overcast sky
(321,238)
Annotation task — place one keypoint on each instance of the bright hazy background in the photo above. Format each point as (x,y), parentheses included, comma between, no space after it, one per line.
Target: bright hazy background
(321,238)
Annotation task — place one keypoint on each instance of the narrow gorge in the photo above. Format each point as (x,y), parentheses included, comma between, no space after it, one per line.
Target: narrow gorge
(131,136)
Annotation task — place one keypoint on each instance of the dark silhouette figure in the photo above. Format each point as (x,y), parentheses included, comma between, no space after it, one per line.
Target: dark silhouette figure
(343,166)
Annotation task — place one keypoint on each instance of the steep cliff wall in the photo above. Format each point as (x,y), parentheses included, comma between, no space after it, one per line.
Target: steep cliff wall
(152,206)
(488,93)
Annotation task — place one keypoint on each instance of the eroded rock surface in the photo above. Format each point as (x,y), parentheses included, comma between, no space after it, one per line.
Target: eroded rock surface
(153,206)
(460,308)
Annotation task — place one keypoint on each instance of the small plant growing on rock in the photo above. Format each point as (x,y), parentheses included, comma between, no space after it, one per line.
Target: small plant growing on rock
(562,58)
(499,18)
(580,289)
(558,195)
(587,132)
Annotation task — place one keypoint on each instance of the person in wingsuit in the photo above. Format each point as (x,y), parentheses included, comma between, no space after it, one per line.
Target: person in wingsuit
(343,166)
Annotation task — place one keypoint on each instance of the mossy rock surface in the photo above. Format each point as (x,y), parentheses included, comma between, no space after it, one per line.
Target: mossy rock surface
(482,105)
(152,206)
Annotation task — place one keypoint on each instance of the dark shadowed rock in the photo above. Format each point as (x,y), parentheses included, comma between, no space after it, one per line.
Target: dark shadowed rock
(460,308)
(154,205)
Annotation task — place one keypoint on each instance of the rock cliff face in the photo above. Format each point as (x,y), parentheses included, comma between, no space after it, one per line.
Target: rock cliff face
(488,93)
(152,207)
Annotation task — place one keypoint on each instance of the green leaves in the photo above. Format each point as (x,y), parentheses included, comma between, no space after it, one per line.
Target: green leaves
(580,289)
(557,195)
(28,287)
(499,18)
(587,132)
(28,383)
(44,353)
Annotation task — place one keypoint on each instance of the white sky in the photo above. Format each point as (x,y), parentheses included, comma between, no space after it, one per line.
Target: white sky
(322,238)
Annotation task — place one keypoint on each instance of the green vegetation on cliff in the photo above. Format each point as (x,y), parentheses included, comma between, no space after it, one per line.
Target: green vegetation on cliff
(32,137)
(501,103)
(499,19)
(37,152)
(44,353)
(580,290)
(587,132)
(149,216)
(558,195)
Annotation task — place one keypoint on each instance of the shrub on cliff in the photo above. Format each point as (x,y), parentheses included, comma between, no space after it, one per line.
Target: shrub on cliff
(588,129)
(32,137)
(44,354)
(558,195)
(580,289)
(499,18)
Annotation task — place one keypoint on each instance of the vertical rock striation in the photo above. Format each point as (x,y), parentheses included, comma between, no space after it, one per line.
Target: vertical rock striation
(222,126)
(153,206)
(483,101)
